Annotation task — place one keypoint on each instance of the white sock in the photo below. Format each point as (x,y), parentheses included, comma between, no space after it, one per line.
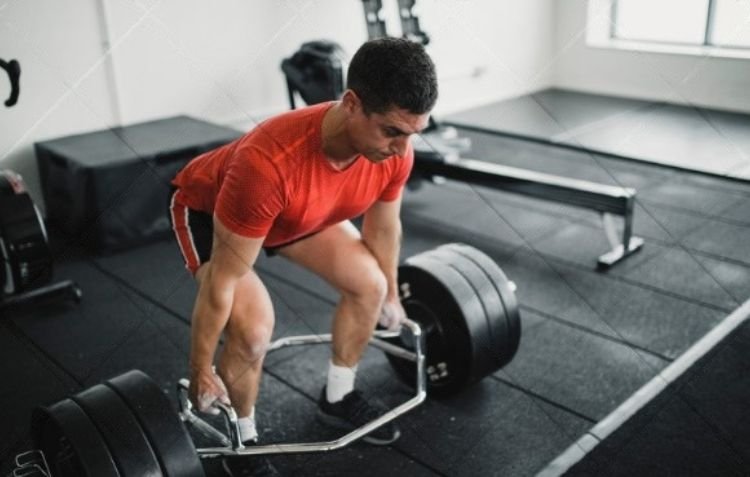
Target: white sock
(340,382)
(248,432)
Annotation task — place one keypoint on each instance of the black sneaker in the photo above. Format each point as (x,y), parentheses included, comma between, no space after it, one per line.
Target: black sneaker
(353,412)
(249,466)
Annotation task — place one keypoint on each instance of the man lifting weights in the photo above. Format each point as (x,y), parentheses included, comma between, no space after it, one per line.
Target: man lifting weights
(290,186)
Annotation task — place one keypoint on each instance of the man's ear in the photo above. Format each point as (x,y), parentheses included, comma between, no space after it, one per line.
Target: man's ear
(351,101)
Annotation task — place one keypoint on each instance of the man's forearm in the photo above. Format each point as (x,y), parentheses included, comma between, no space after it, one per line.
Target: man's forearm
(210,316)
(385,245)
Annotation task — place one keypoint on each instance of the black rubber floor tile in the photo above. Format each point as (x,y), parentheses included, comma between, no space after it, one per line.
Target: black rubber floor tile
(683,194)
(723,240)
(584,165)
(494,214)
(739,187)
(492,222)
(436,200)
(285,416)
(675,270)
(421,233)
(735,278)
(156,270)
(83,337)
(151,268)
(29,380)
(739,211)
(474,211)
(555,209)
(485,429)
(663,224)
(583,244)
(717,390)
(539,157)
(585,373)
(650,222)
(522,115)
(178,296)
(665,444)
(694,427)
(666,134)
(638,175)
(654,321)
(160,348)
(520,422)
(548,288)
(480,431)
(574,109)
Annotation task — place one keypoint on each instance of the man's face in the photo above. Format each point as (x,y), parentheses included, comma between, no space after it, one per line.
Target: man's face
(378,136)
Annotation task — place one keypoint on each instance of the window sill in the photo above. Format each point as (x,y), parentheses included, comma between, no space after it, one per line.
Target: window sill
(703,51)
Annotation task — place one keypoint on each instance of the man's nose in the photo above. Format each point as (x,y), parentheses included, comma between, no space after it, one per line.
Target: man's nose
(398,146)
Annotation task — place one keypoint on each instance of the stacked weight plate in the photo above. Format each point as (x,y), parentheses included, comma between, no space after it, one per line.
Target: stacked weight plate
(469,313)
(124,427)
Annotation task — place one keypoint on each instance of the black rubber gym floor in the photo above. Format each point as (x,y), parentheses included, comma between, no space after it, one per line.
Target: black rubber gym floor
(590,339)
(696,426)
(687,137)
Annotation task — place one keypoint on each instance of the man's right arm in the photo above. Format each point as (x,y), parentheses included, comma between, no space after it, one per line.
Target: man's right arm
(232,257)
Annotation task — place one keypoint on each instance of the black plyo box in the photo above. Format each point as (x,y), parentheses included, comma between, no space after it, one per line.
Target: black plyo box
(109,188)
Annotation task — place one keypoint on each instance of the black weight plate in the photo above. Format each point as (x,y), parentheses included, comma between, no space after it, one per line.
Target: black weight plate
(447,344)
(443,302)
(494,312)
(122,433)
(165,431)
(70,442)
(472,310)
(512,326)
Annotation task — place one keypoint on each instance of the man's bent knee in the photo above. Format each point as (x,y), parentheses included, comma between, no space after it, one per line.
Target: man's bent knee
(249,345)
(369,289)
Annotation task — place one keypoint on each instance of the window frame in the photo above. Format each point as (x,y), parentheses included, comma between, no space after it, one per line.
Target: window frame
(600,33)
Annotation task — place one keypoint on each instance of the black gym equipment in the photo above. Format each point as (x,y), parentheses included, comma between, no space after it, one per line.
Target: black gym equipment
(167,436)
(70,442)
(315,72)
(13,69)
(120,431)
(472,328)
(409,22)
(463,325)
(107,189)
(24,250)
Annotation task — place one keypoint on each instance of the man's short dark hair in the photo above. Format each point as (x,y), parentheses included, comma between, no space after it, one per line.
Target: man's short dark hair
(390,72)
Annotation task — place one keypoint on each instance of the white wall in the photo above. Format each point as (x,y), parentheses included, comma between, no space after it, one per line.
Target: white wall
(722,83)
(93,64)
(63,77)
(487,50)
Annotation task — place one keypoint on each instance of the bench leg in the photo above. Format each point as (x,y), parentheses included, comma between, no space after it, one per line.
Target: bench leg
(620,250)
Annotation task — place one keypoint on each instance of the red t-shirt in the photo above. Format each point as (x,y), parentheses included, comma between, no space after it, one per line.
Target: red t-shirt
(276,182)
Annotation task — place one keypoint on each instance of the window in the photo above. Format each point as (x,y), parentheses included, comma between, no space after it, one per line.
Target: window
(665,21)
(678,26)
(730,24)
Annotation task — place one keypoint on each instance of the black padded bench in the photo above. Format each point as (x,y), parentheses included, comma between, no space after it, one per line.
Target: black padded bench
(109,189)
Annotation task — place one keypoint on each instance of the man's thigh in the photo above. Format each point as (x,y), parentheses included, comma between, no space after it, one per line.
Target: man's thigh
(337,254)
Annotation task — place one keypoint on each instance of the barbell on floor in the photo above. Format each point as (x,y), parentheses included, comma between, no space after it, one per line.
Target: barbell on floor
(461,307)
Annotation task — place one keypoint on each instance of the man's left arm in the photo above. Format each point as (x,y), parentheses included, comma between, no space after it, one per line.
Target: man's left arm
(381,233)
